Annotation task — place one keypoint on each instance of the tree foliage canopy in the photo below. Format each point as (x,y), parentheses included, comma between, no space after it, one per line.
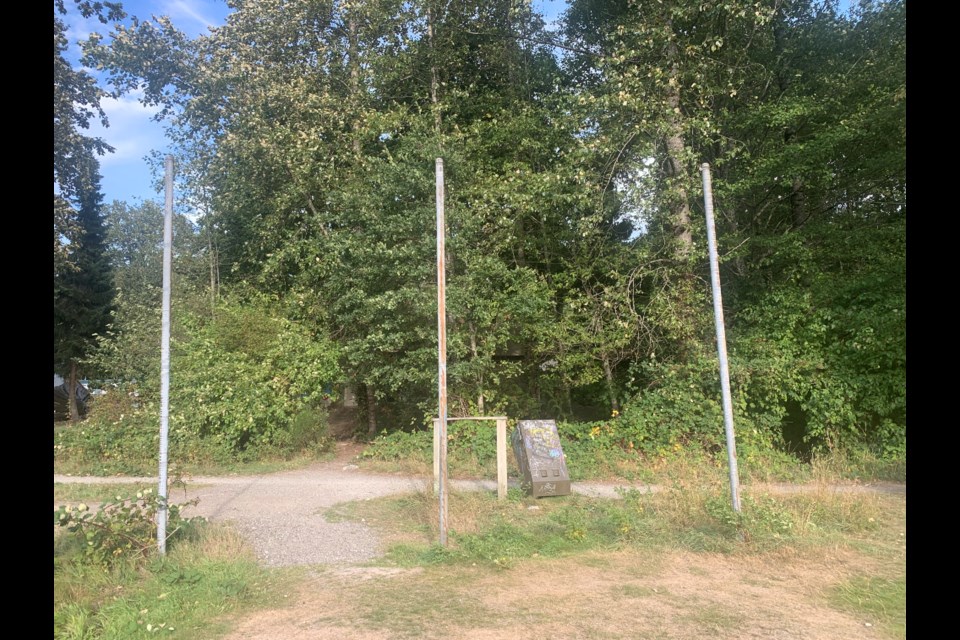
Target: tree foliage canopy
(577,275)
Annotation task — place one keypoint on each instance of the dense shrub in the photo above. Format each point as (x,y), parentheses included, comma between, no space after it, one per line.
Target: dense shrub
(122,528)
(244,377)
(243,382)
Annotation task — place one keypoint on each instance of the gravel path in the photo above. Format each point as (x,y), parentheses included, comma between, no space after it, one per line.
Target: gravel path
(282,514)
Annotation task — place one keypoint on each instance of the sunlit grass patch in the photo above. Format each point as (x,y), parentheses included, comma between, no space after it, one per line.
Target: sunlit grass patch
(94,492)
(184,595)
(880,601)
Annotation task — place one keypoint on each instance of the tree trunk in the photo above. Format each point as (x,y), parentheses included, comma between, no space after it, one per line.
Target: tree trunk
(434,83)
(354,63)
(798,203)
(214,272)
(675,162)
(371,412)
(473,351)
(682,288)
(611,389)
(72,393)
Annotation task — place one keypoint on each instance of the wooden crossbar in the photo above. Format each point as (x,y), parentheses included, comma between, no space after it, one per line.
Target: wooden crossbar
(501,451)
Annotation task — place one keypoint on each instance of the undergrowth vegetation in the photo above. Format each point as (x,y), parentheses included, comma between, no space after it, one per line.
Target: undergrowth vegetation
(250,386)
(110,582)
(605,450)
(501,533)
(122,527)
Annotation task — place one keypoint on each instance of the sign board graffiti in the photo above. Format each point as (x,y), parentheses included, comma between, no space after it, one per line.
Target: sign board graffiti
(543,467)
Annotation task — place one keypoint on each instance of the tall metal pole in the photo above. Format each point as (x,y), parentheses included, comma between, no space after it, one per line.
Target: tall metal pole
(165,353)
(721,337)
(442,351)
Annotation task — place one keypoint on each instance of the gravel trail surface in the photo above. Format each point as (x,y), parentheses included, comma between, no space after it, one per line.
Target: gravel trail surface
(282,514)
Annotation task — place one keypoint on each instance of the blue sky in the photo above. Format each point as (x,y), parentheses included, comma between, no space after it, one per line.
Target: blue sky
(126,175)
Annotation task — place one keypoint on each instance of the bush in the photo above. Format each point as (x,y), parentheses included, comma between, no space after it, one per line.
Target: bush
(122,528)
(244,382)
(111,441)
(309,430)
(401,445)
(471,446)
(249,400)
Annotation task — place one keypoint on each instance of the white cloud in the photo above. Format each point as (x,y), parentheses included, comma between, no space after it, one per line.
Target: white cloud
(131,132)
(194,10)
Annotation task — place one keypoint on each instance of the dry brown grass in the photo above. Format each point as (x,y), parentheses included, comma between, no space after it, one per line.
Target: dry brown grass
(217,542)
(672,595)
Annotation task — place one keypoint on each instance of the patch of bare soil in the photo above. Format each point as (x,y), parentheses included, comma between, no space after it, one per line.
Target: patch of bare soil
(342,422)
(346,452)
(318,611)
(683,596)
(673,595)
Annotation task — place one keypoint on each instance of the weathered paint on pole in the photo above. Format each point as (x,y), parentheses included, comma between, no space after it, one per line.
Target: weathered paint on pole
(165,353)
(436,456)
(442,352)
(721,337)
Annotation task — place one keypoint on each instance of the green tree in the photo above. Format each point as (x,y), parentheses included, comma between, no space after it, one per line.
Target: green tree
(135,250)
(129,348)
(326,119)
(576,264)
(76,100)
(82,281)
(800,110)
(83,295)
(820,202)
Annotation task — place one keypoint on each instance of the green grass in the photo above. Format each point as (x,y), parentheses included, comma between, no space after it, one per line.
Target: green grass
(101,447)
(496,533)
(473,456)
(623,546)
(713,621)
(272,464)
(880,601)
(634,591)
(94,492)
(66,465)
(427,602)
(495,542)
(856,464)
(191,594)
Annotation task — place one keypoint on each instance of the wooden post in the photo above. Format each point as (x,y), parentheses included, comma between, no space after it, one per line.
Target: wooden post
(501,458)
(501,451)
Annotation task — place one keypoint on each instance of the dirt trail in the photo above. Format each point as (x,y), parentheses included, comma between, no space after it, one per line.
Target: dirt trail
(282,513)
(669,595)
